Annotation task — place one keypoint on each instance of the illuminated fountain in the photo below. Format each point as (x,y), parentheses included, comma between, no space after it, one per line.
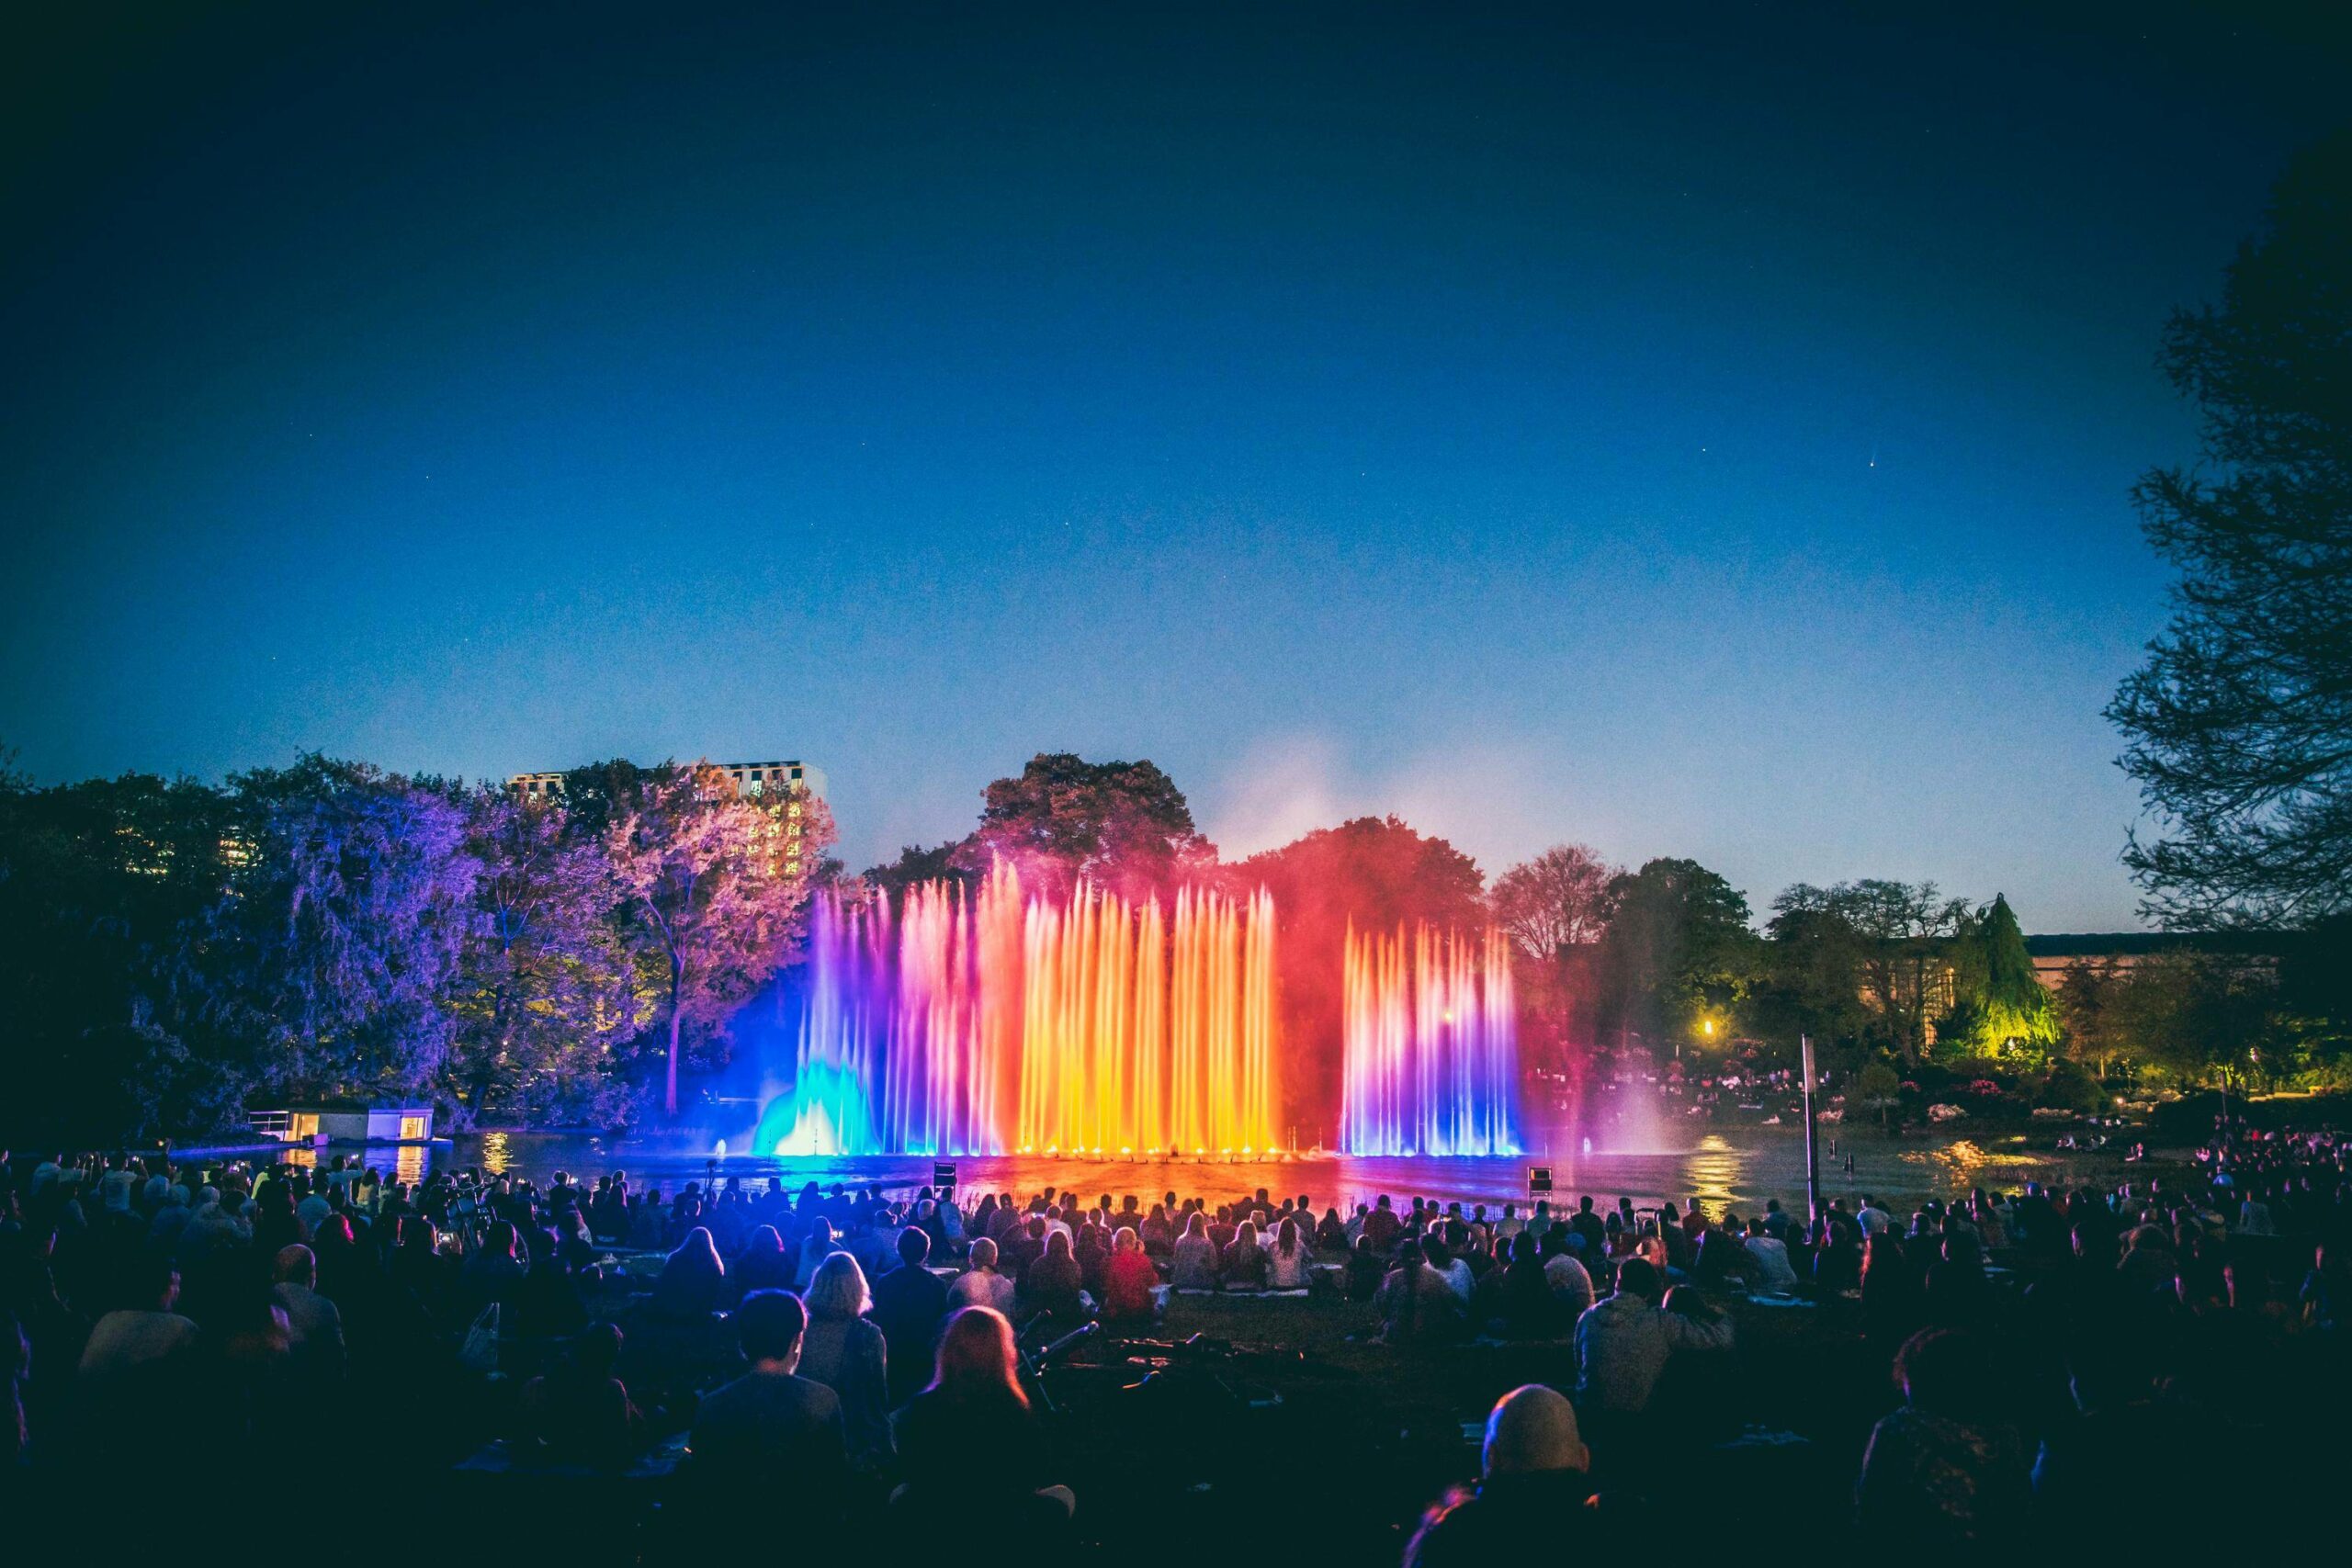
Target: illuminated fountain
(991,1023)
(1430,1044)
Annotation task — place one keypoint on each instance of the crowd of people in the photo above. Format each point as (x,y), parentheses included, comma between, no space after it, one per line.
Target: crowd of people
(2048,1355)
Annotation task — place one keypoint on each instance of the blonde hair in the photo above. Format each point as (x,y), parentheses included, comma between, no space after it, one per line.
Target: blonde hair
(838,1289)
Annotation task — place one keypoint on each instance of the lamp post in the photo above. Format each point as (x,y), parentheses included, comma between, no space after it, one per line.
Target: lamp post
(1812,1134)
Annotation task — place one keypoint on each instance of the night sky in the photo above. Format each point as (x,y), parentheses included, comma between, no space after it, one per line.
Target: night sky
(1703,432)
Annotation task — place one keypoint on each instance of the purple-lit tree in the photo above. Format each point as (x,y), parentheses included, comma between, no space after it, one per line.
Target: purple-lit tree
(715,885)
(546,993)
(347,909)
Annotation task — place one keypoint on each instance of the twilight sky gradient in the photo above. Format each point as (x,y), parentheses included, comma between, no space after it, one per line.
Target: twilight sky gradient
(1701,434)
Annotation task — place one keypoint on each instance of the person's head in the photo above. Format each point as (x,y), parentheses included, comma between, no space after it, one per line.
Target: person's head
(151,1283)
(296,1265)
(597,1350)
(769,1325)
(500,1240)
(1533,1428)
(975,1358)
(1944,1371)
(983,1253)
(1637,1277)
(1058,1245)
(838,1289)
(914,1247)
(1286,1238)
(1246,1236)
(698,1251)
(1037,1228)
(1126,1240)
(1192,1227)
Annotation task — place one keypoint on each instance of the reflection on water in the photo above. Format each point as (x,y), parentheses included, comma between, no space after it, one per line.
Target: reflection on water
(1739,1166)
(405,1162)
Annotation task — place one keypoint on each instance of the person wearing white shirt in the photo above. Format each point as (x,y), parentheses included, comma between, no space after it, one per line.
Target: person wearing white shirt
(980,1285)
(1775,1275)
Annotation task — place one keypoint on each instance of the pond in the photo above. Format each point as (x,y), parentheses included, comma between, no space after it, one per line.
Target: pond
(1735,1165)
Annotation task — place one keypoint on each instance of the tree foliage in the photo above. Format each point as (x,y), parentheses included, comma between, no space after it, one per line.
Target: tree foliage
(2000,1005)
(715,886)
(348,905)
(2239,727)
(1122,826)
(546,998)
(1560,898)
(1677,946)
(1372,873)
(1894,938)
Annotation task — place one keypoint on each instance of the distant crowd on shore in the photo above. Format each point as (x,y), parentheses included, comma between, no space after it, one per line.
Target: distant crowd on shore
(2054,1352)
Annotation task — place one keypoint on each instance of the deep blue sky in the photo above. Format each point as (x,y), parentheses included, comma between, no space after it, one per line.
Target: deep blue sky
(1701,434)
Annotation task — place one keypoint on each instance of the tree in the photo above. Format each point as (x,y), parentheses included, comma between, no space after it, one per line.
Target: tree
(1373,874)
(1554,908)
(346,915)
(1678,948)
(2087,1011)
(2240,724)
(1999,1003)
(2196,1017)
(545,990)
(1899,936)
(1812,964)
(716,887)
(1876,1088)
(1560,898)
(916,864)
(1123,825)
(101,883)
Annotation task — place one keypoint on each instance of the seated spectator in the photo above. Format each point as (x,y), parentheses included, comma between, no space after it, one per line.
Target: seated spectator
(1525,1299)
(1942,1473)
(969,1444)
(1052,1284)
(313,1325)
(139,1362)
(495,1271)
(1416,1301)
(843,1350)
(1568,1279)
(1193,1262)
(692,1282)
(1767,1256)
(1623,1340)
(770,1425)
(980,1284)
(582,1414)
(1533,1482)
(1366,1269)
(910,1304)
(820,1243)
(763,1265)
(1288,1261)
(1245,1259)
(1130,1282)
